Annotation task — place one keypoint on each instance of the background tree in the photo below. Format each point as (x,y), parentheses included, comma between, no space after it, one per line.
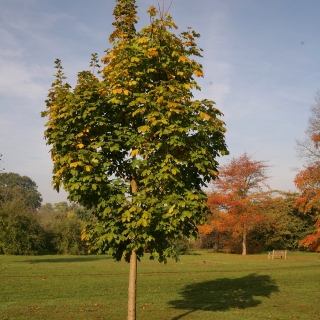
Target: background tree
(309,147)
(238,197)
(20,231)
(308,183)
(63,223)
(135,145)
(1,169)
(284,226)
(14,186)
(307,180)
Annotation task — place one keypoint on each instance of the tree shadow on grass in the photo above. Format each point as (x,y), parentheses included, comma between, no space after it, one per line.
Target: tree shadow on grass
(67,259)
(224,294)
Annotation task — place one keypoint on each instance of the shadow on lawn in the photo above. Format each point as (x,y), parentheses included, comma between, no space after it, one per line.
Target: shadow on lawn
(224,294)
(67,259)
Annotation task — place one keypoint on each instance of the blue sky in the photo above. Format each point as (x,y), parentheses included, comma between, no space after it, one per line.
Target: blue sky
(261,64)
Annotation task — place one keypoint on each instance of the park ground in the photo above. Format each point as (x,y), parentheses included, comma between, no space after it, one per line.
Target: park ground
(204,285)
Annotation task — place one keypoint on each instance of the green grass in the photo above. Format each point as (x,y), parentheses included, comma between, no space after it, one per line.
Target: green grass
(202,286)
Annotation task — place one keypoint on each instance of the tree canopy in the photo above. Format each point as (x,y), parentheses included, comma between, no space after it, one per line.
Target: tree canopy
(134,144)
(308,180)
(238,196)
(13,186)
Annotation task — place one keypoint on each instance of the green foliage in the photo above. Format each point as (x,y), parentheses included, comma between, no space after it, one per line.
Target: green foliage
(134,145)
(20,232)
(287,225)
(63,227)
(183,245)
(68,235)
(14,186)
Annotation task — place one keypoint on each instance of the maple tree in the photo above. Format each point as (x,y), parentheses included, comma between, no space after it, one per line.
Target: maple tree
(308,183)
(134,144)
(308,179)
(238,197)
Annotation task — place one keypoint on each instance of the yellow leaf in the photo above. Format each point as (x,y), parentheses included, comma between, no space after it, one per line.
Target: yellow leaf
(143,40)
(80,145)
(174,171)
(172,88)
(59,172)
(143,128)
(132,83)
(153,53)
(172,208)
(88,168)
(135,59)
(204,115)
(134,152)
(198,73)
(126,92)
(160,99)
(187,85)
(75,164)
(118,90)
(182,58)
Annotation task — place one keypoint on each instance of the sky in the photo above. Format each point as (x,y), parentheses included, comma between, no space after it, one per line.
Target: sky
(260,60)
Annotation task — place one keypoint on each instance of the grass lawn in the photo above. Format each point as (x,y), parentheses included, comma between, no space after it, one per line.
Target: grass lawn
(202,286)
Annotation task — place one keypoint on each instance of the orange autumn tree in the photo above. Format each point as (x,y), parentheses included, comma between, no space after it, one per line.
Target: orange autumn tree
(308,180)
(238,197)
(308,183)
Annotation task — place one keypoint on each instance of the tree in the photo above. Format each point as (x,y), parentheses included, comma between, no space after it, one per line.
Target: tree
(308,183)
(309,147)
(14,186)
(20,231)
(307,180)
(135,145)
(63,224)
(238,197)
(285,227)
(1,169)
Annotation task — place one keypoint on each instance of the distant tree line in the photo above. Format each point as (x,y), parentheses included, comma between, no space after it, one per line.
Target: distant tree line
(271,218)
(27,227)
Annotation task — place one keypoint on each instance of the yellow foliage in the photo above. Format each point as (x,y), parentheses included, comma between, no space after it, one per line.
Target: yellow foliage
(75,164)
(135,59)
(134,152)
(198,73)
(143,40)
(80,145)
(59,172)
(143,128)
(88,168)
(204,115)
(118,90)
(183,59)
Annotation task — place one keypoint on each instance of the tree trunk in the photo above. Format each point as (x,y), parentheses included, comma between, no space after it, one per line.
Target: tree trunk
(244,242)
(217,242)
(132,287)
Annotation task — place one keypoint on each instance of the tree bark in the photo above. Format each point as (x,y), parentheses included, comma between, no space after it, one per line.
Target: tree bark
(132,287)
(217,242)
(244,242)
